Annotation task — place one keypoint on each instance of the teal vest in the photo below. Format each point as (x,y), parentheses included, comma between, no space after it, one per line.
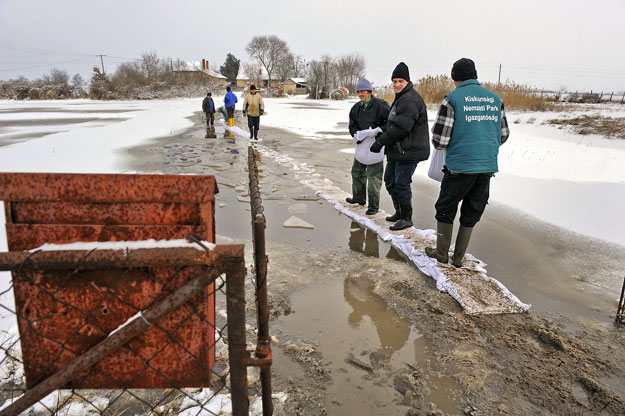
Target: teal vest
(476,136)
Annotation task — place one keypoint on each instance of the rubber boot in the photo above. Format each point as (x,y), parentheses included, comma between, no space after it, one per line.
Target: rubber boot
(255,133)
(251,132)
(443,241)
(405,208)
(462,242)
(397,215)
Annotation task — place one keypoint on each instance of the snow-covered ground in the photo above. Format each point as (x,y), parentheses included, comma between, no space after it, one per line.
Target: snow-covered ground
(573,181)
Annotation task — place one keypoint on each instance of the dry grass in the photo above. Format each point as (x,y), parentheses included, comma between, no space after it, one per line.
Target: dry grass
(515,96)
(594,124)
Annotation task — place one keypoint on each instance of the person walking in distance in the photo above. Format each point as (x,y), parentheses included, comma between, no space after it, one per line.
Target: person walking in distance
(230,101)
(208,107)
(471,124)
(369,113)
(406,142)
(253,108)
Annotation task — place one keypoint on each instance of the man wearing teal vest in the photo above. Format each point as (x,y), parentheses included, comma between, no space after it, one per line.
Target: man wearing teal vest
(471,124)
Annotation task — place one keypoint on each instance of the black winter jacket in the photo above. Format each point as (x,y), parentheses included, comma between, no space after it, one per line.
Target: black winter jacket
(407,137)
(375,115)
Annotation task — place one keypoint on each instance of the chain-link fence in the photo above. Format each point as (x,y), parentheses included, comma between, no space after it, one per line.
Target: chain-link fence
(122,331)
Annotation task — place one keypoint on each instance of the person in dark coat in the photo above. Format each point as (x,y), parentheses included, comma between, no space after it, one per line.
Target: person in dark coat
(369,112)
(208,107)
(406,142)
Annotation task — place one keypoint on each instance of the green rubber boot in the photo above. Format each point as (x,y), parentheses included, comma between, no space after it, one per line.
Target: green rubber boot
(462,242)
(443,241)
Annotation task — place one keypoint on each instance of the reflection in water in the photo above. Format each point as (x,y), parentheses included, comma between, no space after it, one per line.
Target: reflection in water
(393,331)
(363,240)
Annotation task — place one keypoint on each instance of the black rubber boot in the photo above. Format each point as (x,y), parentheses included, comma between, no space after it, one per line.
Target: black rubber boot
(462,242)
(397,215)
(443,241)
(353,201)
(255,133)
(405,208)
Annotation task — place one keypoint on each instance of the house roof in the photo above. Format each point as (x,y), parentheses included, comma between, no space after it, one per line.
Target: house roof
(193,66)
(299,80)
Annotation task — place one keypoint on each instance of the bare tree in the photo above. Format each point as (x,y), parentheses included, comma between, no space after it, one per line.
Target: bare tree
(314,78)
(254,72)
(57,76)
(350,68)
(77,80)
(298,65)
(284,67)
(150,64)
(329,73)
(268,51)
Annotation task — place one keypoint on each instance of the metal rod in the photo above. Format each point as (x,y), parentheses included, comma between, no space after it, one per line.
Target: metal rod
(237,345)
(263,344)
(111,343)
(107,259)
(620,311)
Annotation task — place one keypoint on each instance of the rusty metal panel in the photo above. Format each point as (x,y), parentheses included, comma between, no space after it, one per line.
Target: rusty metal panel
(50,187)
(61,316)
(105,213)
(85,306)
(26,237)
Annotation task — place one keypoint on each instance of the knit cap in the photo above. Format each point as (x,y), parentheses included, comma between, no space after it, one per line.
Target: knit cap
(401,71)
(463,70)
(364,85)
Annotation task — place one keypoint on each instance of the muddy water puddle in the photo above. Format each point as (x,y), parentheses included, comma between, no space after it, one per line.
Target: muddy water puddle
(364,343)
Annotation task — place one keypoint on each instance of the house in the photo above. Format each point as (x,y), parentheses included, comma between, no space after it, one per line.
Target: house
(199,71)
(296,86)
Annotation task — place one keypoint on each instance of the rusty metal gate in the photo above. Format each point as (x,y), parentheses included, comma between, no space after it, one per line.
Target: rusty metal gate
(122,319)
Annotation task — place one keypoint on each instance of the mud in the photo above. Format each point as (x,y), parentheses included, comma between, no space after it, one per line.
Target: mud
(358,330)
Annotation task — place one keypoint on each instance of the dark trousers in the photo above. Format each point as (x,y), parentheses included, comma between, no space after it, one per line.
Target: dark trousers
(253,122)
(471,189)
(398,177)
(367,179)
(230,111)
(210,119)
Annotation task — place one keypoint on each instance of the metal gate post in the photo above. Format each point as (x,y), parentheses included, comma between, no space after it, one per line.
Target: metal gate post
(237,346)
(620,311)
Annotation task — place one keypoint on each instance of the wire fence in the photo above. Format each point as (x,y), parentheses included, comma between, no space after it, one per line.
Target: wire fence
(121,332)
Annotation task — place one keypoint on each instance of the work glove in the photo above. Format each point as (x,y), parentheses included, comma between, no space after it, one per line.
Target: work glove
(261,111)
(244,113)
(375,147)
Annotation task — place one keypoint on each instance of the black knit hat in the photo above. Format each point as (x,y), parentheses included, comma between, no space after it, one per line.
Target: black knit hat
(252,87)
(208,94)
(463,70)
(401,71)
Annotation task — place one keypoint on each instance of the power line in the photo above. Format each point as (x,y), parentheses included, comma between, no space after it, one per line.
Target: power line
(44,65)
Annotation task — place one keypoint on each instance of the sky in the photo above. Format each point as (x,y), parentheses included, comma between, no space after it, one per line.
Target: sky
(550,44)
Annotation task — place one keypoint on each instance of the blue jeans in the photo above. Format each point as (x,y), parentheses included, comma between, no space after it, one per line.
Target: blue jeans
(397,179)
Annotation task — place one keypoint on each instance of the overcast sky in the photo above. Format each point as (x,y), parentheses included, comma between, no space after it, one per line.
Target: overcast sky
(576,44)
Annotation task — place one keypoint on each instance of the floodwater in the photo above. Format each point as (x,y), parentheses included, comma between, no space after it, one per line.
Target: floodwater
(354,332)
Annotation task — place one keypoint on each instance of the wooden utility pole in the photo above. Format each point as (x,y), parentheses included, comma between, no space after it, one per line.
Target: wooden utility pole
(499,78)
(102,61)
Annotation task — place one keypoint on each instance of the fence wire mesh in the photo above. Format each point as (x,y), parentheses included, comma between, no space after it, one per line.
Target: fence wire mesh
(57,315)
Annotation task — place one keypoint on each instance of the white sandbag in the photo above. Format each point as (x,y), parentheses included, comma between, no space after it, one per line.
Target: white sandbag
(362,153)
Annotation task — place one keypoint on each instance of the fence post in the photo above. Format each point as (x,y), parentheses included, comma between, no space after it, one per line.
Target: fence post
(237,346)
